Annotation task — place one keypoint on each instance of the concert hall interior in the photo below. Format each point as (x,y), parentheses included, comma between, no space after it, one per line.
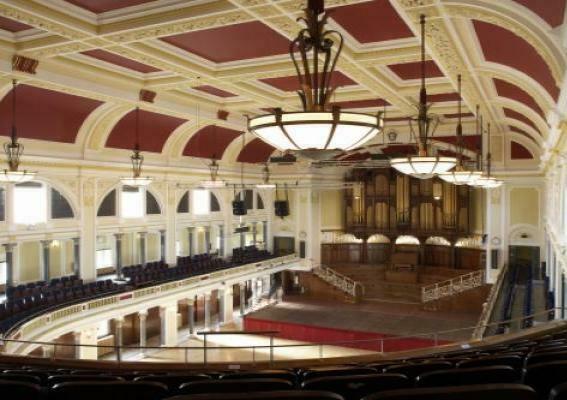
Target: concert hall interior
(283,199)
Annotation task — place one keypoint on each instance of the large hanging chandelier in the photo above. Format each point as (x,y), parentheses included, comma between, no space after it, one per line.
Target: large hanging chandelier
(14,151)
(423,166)
(137,180)
(460,176)
(319,131)
(486,181)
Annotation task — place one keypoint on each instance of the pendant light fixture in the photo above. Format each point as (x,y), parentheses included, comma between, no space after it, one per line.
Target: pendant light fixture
(214,182)
(478,161)
(423,166)
(319,131)
(266,184)
(486,181)
(460,176)
(136,180)
(14,151)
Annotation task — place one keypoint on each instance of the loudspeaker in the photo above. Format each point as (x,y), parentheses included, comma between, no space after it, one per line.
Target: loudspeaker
(238,207)
(281,208)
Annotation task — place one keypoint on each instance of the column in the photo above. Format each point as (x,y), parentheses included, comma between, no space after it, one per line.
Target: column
(118,324)
(207,239)
(143,246)
(226,305)
(487,247)
(254,233)
(242,240)
(558,292)
(9,249)
(77,256)
(118,237)
(265,234)
(86,337)
(162,245)
(171,228)
(168,315)
(221,240)
(191,233)
(242,287)
(45,259)
(254,299)
(207,311)
(142,318)
(191,315)
(88,229)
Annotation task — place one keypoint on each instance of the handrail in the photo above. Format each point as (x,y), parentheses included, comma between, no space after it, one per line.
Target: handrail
(434,337)
(60,315)
(338,280)
(490,303)
(452,286)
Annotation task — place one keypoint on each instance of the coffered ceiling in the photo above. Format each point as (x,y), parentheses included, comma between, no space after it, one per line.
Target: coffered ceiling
(202,56)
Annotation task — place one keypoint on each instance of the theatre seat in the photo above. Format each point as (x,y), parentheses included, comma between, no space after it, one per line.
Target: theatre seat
(235,386)
(263,374)
(468,376)
(84,390)
(336,371)
(354,387)
(543,377)
(173,381)
(14,390)
(274,395)
(21,378)
(55,379)
(413,370)
(547,356)
(469,392)
(514,361)
(559,392)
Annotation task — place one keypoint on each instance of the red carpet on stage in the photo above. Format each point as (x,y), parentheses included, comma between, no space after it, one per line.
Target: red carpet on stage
(319,334)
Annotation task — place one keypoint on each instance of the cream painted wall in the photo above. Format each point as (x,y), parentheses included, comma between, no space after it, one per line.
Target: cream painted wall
(152,247)
(29,261)
(477,210)
(332,209)
(524,206)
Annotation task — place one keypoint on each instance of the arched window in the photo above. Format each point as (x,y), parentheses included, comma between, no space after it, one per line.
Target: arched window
(30,203)
(215,206)
(259,202)
(183,206)
(108,206)
(152,205)
(60,207)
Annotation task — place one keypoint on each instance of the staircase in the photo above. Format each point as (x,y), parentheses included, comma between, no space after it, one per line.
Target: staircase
(350,287)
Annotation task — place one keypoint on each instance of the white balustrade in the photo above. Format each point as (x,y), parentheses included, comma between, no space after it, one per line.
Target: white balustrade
(452,286)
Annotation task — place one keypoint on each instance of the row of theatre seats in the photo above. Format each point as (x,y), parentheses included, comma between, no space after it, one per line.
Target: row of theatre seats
(29,299)
(23,301)
(534,369)
(155,272)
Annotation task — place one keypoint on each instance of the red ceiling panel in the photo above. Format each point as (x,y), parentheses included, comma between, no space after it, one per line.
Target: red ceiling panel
(520,117)
(357,157)
(12,25)
(214,91)
(442,97)
(100,6)
(412,70)
(470,142)
(456,115)
(232,42)
(511,91)
(256,151)
(396,149)
(519,152)
(372,21)
(501,46)
(210,142)
(154,131)
(521,132)
(120,61)
(552,11)
(291,84)
(45,114)
(370,103)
